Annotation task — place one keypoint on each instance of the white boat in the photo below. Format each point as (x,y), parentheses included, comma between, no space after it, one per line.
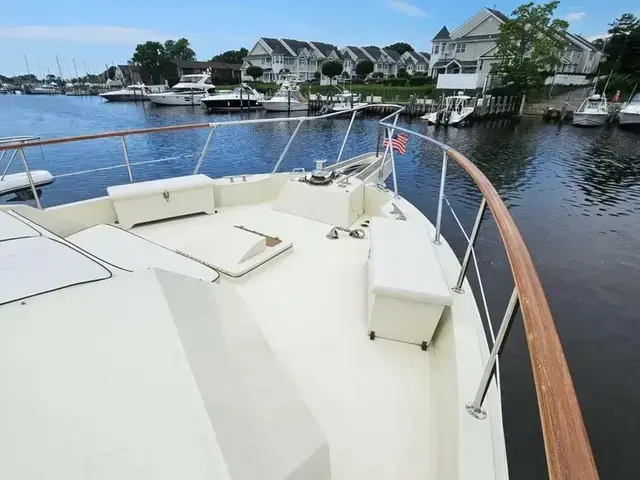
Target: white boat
(47,89)
(456,111)
(287,99)
(593,112)
(629,115)
(19,183)
(188,91)
(240,98)
(306,325)
(346,100)
(132,93)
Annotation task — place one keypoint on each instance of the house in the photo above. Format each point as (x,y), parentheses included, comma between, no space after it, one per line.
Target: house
(281,57)
(352,57)
(462,59)
(414,62)
(221,72)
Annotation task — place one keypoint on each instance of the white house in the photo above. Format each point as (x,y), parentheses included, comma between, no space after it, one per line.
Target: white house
(414,62)
(462,59)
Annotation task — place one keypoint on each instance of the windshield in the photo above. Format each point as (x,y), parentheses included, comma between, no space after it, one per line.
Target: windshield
(636,98)
(190,78)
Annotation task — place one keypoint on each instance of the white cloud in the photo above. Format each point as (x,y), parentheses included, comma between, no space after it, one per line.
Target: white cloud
(603,36)
(406,8)
(575,16)
(93,34)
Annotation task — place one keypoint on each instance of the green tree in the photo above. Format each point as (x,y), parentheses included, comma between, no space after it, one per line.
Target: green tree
(331,69)
(598,43)
(402,73)
(622,50)
(530,42)
(364,68)
(231,56)
(151,59)
(317,75)
(254,72)
(401,47)
(179,50)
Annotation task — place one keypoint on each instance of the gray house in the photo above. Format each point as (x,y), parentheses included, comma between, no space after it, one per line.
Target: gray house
(462,59)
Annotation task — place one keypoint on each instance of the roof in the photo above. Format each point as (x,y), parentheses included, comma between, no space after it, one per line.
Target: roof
(275,45)
(582,41)
(375,52)
(426,55)
(499,14)
(325,48)
(443,34)
(296,45)
(392,53)
(357,51)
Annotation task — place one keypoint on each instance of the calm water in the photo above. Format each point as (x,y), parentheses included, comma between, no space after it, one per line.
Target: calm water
(575,195)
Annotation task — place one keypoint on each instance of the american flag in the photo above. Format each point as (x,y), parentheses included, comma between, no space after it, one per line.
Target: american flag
(398,142)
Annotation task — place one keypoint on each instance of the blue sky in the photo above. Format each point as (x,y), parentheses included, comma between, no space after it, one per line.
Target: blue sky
(96,34)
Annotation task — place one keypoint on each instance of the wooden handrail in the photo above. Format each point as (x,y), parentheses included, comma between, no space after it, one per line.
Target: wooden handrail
(566,442)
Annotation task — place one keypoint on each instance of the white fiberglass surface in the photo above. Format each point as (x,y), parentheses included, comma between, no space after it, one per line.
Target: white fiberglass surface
(371,398)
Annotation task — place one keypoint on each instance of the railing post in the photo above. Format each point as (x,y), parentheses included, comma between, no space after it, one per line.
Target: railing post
(286,147)
(126,158)
(393,165)
(472,240)
(344,142)
(475,408)
(204,151)
(443,176)
(15,152)
(31,184)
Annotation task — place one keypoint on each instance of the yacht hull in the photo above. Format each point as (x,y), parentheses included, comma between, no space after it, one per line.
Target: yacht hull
(229,105)
(589,119)
(284,106)
(629,119)
(122,97)
(175,100)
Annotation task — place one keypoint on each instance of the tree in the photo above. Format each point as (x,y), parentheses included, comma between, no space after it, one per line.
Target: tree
(364,68)
(151,58)
(598,43)
(345,75)
(231,56)
(331,69)
(530,43)
(622,50)
(254,72)
(317,75)
(179,50)
(401,47)
(377,75)
(402,73)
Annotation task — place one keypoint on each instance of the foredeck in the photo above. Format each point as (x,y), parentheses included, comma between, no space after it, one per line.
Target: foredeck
(371,399)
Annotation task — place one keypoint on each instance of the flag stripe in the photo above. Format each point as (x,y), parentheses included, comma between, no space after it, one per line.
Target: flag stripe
(398,143)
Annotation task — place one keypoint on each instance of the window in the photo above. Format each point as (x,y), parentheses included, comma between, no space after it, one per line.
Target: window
(208,81)
(461,47)
(436,49)
(379,66)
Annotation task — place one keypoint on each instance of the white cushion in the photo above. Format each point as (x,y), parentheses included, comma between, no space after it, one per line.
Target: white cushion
(133,190)
(36,265)
(403,263)
(128,251)
(12,227)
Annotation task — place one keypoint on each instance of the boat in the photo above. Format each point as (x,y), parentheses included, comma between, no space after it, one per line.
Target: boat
(629,115)
(307,324)
(188,91)
(240,98)
(346,100)
(287,99)
(593,112)
(46,89)
(456,111)
(130,93)
(24,185)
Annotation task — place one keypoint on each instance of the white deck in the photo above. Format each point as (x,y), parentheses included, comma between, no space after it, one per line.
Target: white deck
(371,399)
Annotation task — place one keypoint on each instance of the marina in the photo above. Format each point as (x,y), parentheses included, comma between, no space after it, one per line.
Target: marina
(573,193)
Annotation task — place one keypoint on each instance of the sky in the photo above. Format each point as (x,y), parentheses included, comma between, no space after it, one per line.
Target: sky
(106,33)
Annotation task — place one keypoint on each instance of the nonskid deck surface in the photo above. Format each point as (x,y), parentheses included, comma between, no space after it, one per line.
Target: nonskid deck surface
(371,399)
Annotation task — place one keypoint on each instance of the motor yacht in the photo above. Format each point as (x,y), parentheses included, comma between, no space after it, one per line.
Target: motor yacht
(132,93)
(456,111)
(593,112)
(188,91)
(240,98)
(287,99)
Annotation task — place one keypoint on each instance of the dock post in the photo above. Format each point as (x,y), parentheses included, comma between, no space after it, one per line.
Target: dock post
(521,111)
(241,105)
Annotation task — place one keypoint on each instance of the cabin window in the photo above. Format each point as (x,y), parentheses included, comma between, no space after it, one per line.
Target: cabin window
(461,47)
(436,48)
(208,81)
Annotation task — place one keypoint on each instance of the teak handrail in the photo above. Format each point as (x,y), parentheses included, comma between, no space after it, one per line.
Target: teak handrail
(567,446)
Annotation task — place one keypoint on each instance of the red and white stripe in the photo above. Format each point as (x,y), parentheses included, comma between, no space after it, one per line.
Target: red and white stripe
(398,143)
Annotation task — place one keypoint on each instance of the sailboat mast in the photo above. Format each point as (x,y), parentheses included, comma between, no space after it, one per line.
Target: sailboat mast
(27,63)
(59,69)
(75,68)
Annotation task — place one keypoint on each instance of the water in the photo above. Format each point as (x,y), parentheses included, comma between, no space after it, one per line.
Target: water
(575,195)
